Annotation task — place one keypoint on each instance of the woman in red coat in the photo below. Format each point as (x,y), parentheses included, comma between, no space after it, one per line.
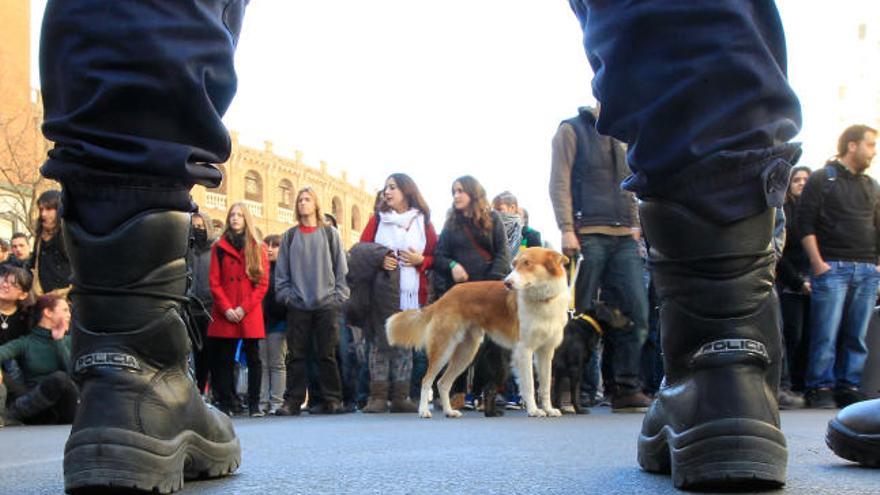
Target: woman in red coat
(403,225)
(239,278)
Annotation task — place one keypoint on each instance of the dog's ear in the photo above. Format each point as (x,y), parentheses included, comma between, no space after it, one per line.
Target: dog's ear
(555,263)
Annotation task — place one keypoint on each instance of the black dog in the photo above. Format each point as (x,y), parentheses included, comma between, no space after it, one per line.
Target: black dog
(582,333)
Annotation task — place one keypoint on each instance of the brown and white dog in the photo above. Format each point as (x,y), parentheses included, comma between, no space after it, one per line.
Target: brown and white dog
(525,313)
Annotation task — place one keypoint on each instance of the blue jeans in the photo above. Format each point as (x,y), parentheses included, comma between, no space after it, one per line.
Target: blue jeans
(842,301)
(698,90)
(613,264)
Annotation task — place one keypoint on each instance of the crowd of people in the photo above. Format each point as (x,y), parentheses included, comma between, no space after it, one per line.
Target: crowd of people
(295,322)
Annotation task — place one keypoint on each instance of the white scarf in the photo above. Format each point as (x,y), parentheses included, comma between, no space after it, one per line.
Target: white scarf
(401,232)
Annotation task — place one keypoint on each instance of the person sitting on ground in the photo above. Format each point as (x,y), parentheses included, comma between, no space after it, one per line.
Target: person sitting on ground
(15,283)
(44,356)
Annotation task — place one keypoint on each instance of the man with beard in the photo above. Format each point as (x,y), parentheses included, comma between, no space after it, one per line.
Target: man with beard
(840,222)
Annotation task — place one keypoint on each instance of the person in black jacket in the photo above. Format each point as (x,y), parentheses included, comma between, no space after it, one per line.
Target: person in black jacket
(273,349)
(49,261)
(839,221)
(473,247)
(199,262)
(793,283)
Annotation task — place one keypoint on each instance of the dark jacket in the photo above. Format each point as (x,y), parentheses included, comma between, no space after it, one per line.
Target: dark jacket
(842,210)
(51,265)
(369,235)
(273,311)
(597,198)
(375,292)
(531,238)
(794,266)
(456,245)
(38,354)
(199,261)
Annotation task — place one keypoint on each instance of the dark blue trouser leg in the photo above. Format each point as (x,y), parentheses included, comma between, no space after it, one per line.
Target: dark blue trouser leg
(699,92)
(133,93)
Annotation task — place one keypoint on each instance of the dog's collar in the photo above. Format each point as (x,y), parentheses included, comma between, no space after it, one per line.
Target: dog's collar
(589,319)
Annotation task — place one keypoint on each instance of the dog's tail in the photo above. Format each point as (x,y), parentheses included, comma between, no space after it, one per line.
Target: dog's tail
(408,328)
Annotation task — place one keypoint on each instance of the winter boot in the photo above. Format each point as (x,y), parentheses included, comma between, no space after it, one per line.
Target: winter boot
(854,433)
(400,401)
(141,423)
(378,401)
(715,422)
(28,406)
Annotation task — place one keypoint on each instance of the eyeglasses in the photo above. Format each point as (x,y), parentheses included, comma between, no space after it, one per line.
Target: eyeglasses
(9,282)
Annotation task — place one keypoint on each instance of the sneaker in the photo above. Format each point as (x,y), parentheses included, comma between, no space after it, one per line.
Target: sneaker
(634,402)
(469,403)
(513,406)
(845,396)
(821,398)
(256,412)
(790,400)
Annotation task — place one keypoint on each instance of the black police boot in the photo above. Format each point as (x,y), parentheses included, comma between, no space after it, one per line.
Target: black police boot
(854,433)
(141,423)
(715,422)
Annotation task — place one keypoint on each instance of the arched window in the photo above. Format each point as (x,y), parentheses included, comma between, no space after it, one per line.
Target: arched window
(355,218)
(221,189)
(285,194)
(253,186)
(337,210)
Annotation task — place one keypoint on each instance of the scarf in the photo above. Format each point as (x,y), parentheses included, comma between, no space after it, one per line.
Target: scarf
(513,230)
(401,232)
(235,240)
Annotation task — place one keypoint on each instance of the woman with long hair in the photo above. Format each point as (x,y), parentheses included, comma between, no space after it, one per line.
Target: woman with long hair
(403,225)
(239,278)
(473,247)
(50,263)
(793,283)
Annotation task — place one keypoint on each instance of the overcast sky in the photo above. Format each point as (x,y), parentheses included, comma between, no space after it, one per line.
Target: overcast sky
(439,90)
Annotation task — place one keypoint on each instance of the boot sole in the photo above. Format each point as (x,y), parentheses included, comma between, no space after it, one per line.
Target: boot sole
(863,449)
(727,454)
(112,459)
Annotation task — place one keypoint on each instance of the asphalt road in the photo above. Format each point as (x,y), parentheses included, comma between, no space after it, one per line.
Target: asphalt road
(391,454)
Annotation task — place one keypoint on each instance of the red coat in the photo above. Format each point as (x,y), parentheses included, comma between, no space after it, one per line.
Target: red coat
(369,235)
(231,288)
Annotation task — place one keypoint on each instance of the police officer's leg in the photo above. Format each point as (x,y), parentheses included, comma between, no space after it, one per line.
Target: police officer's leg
(133,93)
(699,92)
